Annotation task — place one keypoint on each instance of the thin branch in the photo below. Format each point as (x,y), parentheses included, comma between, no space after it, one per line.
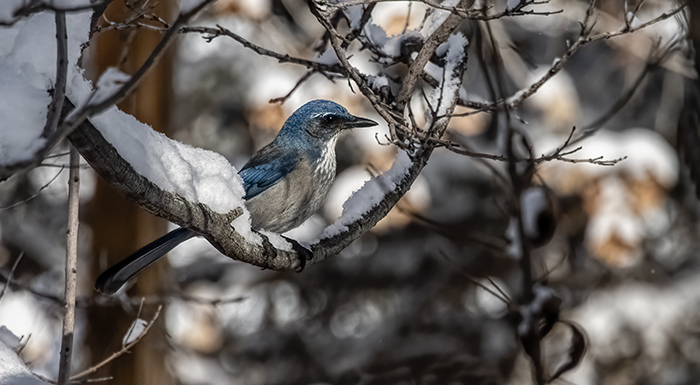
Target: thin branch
(71,279)
(36,193)
(9,277)
(284,98)
(125,349)
(426,52)
(59,90)
(502,297)
(212,33)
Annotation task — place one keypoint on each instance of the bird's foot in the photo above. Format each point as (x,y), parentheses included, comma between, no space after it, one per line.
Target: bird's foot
(303,253)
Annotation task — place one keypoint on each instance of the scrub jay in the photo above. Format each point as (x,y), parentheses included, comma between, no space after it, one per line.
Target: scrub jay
(285,183)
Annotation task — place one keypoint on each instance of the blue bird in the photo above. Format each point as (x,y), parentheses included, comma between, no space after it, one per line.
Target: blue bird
(285,182)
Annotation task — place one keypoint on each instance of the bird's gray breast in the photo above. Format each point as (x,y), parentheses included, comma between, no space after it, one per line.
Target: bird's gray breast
(296,197)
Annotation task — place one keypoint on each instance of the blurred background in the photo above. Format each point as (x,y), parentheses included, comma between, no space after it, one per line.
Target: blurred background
(406,303)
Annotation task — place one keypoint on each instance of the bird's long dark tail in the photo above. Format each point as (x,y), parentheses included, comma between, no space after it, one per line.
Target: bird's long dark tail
(116,276)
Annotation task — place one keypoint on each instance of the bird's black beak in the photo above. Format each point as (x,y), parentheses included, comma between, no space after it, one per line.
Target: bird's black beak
(357,122)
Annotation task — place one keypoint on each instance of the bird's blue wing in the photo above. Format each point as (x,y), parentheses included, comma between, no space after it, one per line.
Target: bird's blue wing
(265,170)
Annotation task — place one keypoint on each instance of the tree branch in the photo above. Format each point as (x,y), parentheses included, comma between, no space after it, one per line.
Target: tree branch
(71,279)
(216,227)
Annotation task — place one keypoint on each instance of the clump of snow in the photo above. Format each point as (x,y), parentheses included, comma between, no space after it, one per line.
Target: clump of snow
(390,46)
(242,226)
(277,240)
(27,72)
(446,95)
(22,112)
(354,15)
(137,328)
(14,371)
(195,174)
(8,338)
(108,85)
(377,82)
(371,193)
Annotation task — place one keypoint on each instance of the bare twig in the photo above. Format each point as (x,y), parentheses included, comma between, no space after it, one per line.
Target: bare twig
(212,33)
(36,193)
(502,296)
(59,90)
(426,52)
(284,98)
(125,349)
(9,277)
(71,279)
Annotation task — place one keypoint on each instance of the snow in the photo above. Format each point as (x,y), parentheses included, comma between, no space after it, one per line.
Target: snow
(8,338)
(8,9)
(445,96)
(195,174)
(277,240)
(27,72)
(391,46)
(370,194)
(242,226)
(108,84)
(354,15)
(137,328)
(377,82)
(14,371)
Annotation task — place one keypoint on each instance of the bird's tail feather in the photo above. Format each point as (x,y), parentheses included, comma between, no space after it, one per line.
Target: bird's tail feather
(116,276)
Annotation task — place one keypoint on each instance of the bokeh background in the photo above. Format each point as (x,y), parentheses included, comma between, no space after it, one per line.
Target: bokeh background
(401,305)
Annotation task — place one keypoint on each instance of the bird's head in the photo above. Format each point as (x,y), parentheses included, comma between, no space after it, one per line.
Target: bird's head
(321,120)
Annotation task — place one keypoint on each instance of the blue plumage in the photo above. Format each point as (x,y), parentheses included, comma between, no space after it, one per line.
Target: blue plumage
(285,182)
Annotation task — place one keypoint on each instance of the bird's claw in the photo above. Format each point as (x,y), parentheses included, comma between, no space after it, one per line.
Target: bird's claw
(303,253)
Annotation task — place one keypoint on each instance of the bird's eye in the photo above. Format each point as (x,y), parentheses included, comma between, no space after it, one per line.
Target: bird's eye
(329,119)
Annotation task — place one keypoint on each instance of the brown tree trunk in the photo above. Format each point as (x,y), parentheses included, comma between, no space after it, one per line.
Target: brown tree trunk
(120,227)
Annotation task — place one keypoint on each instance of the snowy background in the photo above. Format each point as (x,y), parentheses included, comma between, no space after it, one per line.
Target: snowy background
(400,304)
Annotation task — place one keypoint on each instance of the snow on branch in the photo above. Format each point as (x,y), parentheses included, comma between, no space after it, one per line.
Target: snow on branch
(23,151)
